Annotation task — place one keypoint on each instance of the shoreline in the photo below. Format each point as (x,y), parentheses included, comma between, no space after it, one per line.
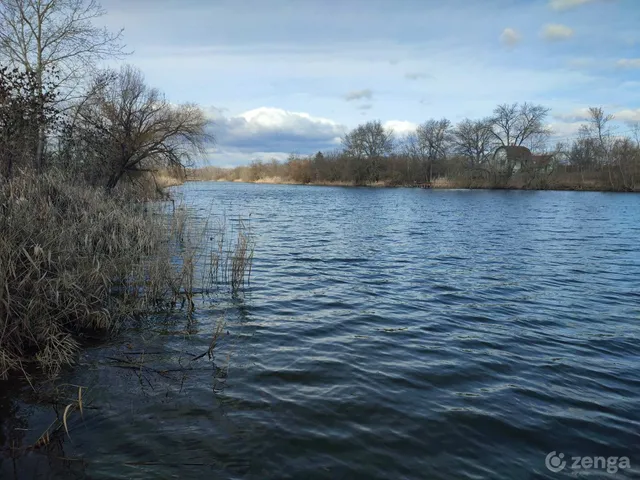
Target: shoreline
(444,186)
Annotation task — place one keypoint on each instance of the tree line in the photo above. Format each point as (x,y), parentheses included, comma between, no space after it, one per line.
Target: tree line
(511,148)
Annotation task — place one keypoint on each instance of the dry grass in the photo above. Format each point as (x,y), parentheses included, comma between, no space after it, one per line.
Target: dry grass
(74,260)
(273,180)
(242,258)
(446,182)
(168,178)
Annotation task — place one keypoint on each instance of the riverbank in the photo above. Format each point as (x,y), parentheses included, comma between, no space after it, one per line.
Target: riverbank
(566,182)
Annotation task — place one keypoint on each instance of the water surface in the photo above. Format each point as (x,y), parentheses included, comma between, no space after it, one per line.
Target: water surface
(386,333)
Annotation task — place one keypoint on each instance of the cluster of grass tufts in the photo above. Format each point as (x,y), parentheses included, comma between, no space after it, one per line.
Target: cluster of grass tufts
(75,261)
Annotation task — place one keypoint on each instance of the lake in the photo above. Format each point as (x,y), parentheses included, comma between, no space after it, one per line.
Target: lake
(385,333)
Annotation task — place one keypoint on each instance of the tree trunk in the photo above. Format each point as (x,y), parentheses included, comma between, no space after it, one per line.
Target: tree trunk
(40,149)
(41,113)
(114,179)
(611,178)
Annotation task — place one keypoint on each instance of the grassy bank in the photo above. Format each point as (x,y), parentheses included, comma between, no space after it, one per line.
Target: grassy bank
(556,180)
(76,262)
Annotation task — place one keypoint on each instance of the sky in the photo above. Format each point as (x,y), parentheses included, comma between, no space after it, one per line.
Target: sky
(283,76)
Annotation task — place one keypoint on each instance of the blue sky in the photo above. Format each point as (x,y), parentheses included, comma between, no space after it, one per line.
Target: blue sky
(278,76)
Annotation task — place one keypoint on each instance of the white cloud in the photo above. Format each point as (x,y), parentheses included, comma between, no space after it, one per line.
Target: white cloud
(564,130)
(628,115)
(628,63)
(365,94)
(276,118)
(567,4)
(554,32)
(510,37)
(400,127)
(267,129)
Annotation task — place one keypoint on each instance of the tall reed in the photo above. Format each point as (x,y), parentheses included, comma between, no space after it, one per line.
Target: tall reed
(230,256)
(75,261)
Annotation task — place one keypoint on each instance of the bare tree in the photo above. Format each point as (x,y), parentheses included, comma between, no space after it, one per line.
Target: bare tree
(625,156)
(515,125)
(598,128)
(434,137)
(474,140)
(619,156)
(560,152)
(135,129)
(369,140)
(416,154)
(367,144)
(584,151)
(635,131)
(520,125)
(39,35)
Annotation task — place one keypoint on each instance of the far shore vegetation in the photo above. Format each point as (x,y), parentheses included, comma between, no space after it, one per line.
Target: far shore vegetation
(511,148)
(85,154)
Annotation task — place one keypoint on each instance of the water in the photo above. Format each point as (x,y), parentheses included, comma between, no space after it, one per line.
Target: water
(386,333)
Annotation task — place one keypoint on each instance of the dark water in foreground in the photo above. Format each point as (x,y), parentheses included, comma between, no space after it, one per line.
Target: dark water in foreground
(397,333)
